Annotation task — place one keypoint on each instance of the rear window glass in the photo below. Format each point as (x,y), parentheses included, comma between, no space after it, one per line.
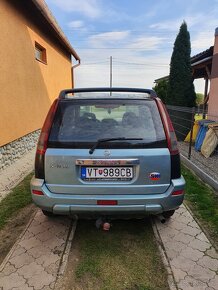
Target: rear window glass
(85,121)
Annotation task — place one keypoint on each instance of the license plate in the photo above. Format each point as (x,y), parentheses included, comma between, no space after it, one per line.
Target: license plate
(107,173)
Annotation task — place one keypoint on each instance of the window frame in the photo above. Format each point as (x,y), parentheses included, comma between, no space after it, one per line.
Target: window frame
(42,50)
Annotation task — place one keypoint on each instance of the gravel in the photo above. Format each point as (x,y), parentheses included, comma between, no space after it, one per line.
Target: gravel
(208,165)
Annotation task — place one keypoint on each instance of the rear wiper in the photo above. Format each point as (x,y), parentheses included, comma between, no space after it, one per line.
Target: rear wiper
(110,139)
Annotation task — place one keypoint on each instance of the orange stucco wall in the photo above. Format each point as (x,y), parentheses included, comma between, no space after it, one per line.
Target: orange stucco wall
(27,87)
(213,100)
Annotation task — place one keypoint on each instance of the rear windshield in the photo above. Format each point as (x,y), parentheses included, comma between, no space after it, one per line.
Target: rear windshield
(81,123)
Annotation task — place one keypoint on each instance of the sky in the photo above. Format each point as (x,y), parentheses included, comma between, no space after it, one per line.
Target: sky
(138,34)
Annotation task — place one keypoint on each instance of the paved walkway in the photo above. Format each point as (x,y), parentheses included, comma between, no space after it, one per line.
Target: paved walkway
(193,260)
(37,258)
(12,175)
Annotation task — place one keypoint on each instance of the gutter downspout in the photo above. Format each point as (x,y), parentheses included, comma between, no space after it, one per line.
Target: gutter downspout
(72,71)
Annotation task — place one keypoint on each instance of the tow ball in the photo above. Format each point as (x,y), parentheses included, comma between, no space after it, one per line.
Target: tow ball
(103,223)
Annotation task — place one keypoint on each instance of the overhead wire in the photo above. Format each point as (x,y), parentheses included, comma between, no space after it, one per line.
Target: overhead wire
(116,48)
(121,63)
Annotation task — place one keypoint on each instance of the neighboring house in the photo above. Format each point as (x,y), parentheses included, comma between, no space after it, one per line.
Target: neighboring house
(213,96)
(35,65)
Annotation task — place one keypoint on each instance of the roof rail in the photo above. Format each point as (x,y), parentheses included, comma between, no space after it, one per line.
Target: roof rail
(63,93)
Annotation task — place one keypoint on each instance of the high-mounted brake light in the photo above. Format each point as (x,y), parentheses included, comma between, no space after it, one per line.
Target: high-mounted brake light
(43,141)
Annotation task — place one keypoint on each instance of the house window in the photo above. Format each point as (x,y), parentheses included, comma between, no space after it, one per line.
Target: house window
(40,53)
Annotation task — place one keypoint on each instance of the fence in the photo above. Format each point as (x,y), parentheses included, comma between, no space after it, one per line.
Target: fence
(185,121)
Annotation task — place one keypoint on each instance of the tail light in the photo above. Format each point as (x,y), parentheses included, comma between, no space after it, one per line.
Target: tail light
(171,141)
(37,192)
(178,192)
(169,130)
(43,141)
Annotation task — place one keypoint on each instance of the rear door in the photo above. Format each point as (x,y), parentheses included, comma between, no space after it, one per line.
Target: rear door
(140,165)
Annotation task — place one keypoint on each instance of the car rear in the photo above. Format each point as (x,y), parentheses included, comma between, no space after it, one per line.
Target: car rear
(107,154)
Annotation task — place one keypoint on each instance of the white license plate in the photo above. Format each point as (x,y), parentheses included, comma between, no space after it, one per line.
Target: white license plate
(103,173)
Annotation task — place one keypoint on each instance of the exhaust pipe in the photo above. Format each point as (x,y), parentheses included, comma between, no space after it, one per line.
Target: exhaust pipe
(99,223)
(161,218)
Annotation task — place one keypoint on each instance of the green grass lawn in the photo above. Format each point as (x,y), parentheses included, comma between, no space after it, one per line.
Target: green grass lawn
(126,257)
(18,198)
(203,201)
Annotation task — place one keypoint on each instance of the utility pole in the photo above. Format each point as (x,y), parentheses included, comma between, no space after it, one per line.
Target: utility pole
(111,73)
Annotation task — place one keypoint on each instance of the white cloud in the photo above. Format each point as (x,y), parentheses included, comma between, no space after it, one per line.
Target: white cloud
(147,43)
(202,41)
(171,25)
(125,40)
(174,24)
(76,24)
(106,38)
(89,8)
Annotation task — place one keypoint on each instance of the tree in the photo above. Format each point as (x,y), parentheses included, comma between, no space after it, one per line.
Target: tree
(161,89)
(199,98)
(181,89)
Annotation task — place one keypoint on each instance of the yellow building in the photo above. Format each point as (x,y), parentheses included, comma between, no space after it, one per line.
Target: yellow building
(35,65)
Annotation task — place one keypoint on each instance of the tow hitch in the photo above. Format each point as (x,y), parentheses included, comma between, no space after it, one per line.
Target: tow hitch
(103,223)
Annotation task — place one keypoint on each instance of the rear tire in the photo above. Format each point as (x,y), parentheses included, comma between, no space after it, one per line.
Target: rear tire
(48,213)
(168,214)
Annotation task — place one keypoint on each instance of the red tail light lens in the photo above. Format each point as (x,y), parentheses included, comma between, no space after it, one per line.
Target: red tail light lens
(43,140)
(173,143)
(178,192)
(37,192)
(169,130)
(171,140)
(107,202)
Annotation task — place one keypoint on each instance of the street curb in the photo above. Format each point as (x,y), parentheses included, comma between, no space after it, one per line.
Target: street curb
(171,280)
(199,172)
(66,252)
(3,264)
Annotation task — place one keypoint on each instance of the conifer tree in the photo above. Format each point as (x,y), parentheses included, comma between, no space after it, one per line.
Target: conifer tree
(181,89)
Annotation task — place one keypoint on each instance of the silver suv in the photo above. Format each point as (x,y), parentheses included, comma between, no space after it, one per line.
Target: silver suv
(107,152)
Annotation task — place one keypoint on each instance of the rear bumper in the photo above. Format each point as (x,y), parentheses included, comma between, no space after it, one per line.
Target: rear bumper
(127,204)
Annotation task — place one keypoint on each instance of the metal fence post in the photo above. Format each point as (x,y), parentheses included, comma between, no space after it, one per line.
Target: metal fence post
(191,133)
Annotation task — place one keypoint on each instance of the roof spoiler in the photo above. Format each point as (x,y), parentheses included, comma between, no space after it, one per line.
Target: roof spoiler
(63,93)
